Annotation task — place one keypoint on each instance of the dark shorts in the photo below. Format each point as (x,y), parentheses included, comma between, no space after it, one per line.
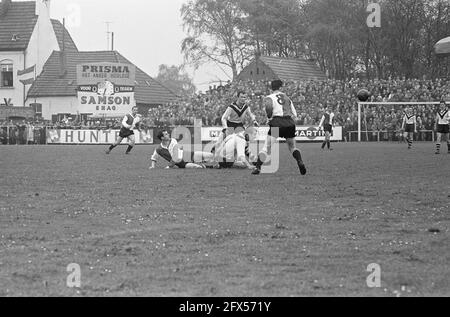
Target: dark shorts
(443,128)
(234,124)
(328,128)
(282,127)
(226,165)
(409,128)
(125,133)
(182,164)
(234,127)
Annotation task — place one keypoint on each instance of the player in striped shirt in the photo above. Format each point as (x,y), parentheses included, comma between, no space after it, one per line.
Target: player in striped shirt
(129,123)
(442,127)
(409,125)
(327,123)
(234,118)
(281,113)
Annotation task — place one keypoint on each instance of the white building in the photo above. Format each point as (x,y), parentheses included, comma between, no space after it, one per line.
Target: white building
(38,61)
(27,38)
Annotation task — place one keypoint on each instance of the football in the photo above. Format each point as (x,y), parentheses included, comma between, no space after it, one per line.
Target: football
(363,95)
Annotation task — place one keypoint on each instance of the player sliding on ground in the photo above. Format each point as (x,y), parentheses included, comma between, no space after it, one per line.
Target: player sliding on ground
(443,127)
(129,123)
(409,125)
(233,152)
(171,152)
(281,113)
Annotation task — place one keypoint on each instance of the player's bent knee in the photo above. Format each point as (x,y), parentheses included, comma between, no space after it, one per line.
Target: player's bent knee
(263,156)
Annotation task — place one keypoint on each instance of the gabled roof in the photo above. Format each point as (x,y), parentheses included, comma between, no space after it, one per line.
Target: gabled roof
(20,21)
(69,43)
(49,84)
(290,69)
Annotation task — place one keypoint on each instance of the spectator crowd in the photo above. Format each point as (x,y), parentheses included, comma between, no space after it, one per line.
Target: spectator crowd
(309,98)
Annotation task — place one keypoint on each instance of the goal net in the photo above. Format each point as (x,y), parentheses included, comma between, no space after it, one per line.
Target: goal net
(382,121)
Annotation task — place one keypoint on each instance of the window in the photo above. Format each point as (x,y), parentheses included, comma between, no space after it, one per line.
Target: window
(37,109)
(6,74)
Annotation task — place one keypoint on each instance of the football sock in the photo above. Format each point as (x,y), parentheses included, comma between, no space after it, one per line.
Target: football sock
(409,142)
(438,147)
(112,147)
(323,144)
(297,155)
(329,144)
(262,157)
(129,149)
(247,150)
(448,146)
(259,163)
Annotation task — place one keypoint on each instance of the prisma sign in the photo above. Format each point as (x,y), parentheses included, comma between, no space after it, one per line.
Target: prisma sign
(106,88)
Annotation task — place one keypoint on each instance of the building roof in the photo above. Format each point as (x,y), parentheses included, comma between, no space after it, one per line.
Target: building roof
(49,84)
(20,21)
(290,69)
(69,43)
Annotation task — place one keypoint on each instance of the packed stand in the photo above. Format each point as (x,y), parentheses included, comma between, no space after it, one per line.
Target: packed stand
(309,98)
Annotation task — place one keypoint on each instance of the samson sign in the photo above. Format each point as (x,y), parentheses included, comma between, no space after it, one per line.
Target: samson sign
(303,134)
(106,89)
(94,136)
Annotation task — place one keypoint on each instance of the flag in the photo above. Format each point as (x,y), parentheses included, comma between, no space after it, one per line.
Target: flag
(27,81)
(27,76)
(26,71)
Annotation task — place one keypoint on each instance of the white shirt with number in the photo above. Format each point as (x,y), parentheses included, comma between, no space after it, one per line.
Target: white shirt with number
(282,105)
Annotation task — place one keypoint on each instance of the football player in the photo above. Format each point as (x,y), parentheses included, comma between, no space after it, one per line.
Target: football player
(327,124)
(409,125)
(281,113)
(442,126)
(172,152)
(234,117)
(129,123)
(233,152)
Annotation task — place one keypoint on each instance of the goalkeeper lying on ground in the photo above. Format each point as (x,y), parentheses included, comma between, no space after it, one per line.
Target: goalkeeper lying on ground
(233,152)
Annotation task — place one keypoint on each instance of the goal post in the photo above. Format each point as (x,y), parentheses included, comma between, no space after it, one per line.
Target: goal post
(399,105)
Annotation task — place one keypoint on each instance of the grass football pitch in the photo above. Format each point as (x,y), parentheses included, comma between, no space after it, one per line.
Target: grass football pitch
(135,232)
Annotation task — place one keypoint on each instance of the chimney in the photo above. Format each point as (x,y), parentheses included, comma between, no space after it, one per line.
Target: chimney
(4,7)
(112,41)
(62,53)
(42,5)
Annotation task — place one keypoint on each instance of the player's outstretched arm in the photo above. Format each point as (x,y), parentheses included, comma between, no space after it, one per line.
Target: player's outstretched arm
(268,105)
(321,122)
(137,123)
(153,160)
(125,124)
(225,118)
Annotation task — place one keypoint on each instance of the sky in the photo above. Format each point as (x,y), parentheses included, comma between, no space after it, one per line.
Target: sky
(147,32)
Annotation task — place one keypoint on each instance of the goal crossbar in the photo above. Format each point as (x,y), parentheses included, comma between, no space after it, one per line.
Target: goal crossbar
(405,103)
